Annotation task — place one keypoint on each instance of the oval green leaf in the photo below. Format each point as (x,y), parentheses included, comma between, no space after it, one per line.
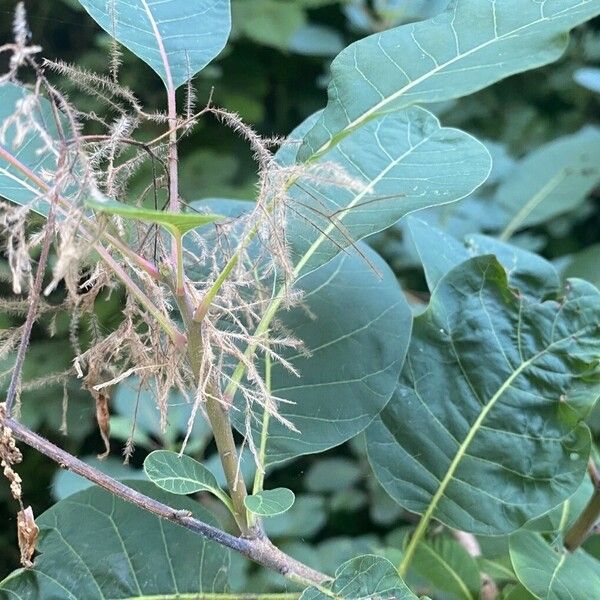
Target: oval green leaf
(181,475)
(485,429)
(269,503)
(552,180)
(177,38)
(449,568)
(404,162)
(94,546)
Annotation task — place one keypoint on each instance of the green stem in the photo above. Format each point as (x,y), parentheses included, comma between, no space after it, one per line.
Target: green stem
(202,309)
(178,255)
(219,423)
(259,478)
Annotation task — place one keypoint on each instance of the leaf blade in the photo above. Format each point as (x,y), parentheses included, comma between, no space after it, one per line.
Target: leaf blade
(437,455)
(270,503)
(153,30)
(551,575)
(103,553)
(468,47)
(180,223)
(181,475)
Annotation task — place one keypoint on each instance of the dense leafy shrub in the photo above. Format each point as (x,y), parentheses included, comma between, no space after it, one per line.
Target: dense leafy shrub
(255,334)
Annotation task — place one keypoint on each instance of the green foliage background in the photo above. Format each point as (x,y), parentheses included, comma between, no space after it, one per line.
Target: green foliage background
(274,72)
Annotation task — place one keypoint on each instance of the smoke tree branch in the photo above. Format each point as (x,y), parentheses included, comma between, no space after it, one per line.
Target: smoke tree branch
(258,549)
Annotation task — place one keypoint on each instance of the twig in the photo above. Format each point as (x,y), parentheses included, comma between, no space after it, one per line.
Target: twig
(34,301)
(588,518)
(259,550)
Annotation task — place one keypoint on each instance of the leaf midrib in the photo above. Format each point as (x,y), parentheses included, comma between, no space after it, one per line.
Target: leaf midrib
(161,47)
(456,461)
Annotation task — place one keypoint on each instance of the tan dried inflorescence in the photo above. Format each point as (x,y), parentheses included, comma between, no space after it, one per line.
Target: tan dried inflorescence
(257,242)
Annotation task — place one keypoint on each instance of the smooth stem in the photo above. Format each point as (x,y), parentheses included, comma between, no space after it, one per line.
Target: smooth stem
(178,242)
(174,204)
(222,431)
(259,478)
(219,423)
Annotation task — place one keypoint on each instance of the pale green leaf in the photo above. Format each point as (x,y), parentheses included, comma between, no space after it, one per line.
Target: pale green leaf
(181,475)
(348,310)
(552,180)
(94,546)
(485,429)
(551,574)
(364,578)
(449,568)
(177,38)
(269,503)
(473,44)
(402,163)
(176,223)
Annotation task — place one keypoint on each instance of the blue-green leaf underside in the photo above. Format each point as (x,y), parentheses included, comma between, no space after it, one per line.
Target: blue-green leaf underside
(177,38)
(94,546)
(473,44)
(403,162)
(440,253)
(485,430)
(32,152)
(554,179)
(269,503)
